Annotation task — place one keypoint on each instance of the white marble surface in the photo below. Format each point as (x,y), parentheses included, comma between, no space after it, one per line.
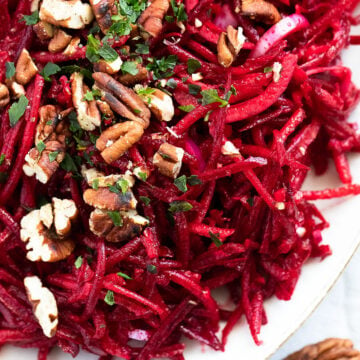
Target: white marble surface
(337,316)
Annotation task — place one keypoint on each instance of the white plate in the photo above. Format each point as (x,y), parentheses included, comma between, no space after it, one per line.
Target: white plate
(317,277)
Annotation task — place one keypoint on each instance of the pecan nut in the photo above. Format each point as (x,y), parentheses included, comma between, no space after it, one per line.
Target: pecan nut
(4,96)
(151,19)
(16,90)
(229,45)
(117,139)
(108,67)
(104,10)
(261,10)
(102,225)
(122,100)
(60,41)
(129,80)
(43,303)
(44,30)
(46,231)
(329,349)
(72,14)
(88,114)
(168,160)
(25,68)
(72,46)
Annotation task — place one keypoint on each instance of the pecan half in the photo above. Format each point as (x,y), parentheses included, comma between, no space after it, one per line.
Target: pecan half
(105,109)
(229,45)
(4,96)
(329,349)
(44,30)
(122,100)
(128,79)
(105,199)
(16,90)
(168,159)
(49,118)
(102,225)
(25,68)
(88,114)
(104,10)
(117,139)
(260,10)
(60,41)
(45,231)
(151,19)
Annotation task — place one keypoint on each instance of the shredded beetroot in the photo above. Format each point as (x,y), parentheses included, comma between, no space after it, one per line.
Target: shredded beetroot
(234,217)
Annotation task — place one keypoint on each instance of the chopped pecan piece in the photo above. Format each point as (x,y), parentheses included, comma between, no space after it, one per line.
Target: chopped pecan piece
(160,104)
(229,45)
(122,100)
(45,231)
(151,19)
(105,109)
(72,46)
(129,80)
(43,303)
(102,225)
(44,30)
(261,10)
(4,96)
(168,159)
(117,139)
(105,199)
(108,67)
(25,68)
(72,14)
(104,10)
(16,90)
(329,349)
(88,114)
(60,41)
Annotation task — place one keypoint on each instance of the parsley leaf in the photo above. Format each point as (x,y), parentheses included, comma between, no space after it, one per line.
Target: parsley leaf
(109,298)
(107,52)
(250,201)
(68,164)
(10,69)
(194,180)
(17,110)
(151,269)
(268,69)
(179,206)
(179,10)
(92,95)
(53,155)
(69,69)
(180,183)
(95,184)
(192,66)
(124,185)
(145,91)
(129,67)
(50,69)
(78,262)
(215,239)
(142,175)
(2,158)
(142,49)
(211,96)
(145,200)
(31,19)
(115,217)
(194,89)
(40,146)
(92,49)
(163,67)
(125,276)
(187,108)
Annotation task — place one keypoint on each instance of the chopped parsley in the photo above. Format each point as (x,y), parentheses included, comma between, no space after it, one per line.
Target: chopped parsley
(95,50)
(17,110)
(142,175)
(68,164)
(40,146)
(145,200)
(95,184)
(31,19)
(129,67)
(194,180)
(116,218)
(187,108)
(151,269)
(50,69)
(10,69)
(124,276)
(179,10)
(91,95)
(194,89)
(180,183)
(268,69)
(250,201)
(162,68)
(215,239)
(109,298)
(180,206)
(124,185)
(211,96)
(142,49)
(2,158)
(192,66)
(78,262)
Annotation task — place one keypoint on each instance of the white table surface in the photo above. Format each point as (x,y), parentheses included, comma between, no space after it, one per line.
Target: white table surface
(337,316)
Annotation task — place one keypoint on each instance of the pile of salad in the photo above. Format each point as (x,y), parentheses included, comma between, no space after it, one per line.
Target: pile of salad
(153,151)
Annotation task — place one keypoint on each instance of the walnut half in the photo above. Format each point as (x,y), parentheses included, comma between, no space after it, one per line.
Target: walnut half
(329,349)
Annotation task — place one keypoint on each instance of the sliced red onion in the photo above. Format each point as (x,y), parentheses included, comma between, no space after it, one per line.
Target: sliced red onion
(279,31)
